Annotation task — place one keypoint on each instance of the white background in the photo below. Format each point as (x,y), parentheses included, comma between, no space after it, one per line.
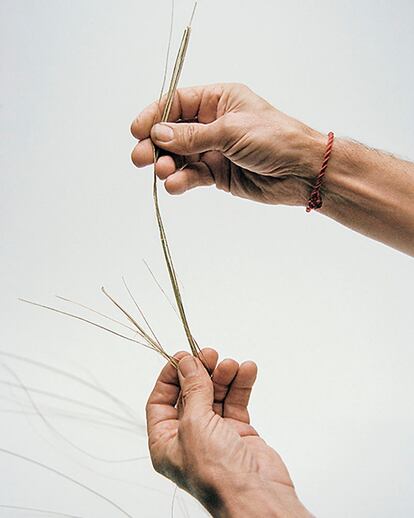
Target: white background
(327,314)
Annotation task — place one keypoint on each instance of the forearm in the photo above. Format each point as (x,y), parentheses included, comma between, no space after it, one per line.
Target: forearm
(371,192)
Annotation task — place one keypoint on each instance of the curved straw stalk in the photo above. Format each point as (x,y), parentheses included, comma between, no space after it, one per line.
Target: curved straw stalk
(178,66)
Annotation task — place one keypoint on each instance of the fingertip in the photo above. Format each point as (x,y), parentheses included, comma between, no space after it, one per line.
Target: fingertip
(248,372)
(143,153)
(134,127)
(249,364)
(168,373)
(208,356)
(225,371)
(162,134)
(180,354)
(174,184)
(189,366)
(230,362)
(209,350)
(134,156)
(142,124)
(164,167)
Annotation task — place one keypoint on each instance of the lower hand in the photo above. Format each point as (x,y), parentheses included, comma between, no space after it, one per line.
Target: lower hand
(201,438)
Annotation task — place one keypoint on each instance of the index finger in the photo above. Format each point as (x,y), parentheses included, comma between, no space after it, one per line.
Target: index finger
(195,102)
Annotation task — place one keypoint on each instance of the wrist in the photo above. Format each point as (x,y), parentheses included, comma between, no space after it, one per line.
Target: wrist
(253,495)
(308,147)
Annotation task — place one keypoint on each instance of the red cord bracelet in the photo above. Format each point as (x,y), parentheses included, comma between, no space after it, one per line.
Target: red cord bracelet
(315,199)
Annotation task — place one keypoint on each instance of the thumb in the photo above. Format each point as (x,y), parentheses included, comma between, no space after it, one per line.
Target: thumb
(187,138)
(196,387)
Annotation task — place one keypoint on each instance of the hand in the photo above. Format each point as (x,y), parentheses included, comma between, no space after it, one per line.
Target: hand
(228,136)
(201,438)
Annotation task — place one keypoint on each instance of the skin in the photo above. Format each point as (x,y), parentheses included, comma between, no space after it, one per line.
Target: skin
(200,437)
(226,135)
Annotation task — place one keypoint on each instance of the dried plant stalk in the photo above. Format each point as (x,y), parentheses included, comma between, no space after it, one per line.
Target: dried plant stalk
(178,66)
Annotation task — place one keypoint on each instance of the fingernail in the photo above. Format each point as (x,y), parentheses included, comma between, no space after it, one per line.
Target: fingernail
(188,367)
(163,133)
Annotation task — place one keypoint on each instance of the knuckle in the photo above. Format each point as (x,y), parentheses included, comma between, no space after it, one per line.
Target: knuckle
(154,108)
(190,135)
(243,87)
(228,122)
(239,87)
(193,96)
(194,388)
(229,127)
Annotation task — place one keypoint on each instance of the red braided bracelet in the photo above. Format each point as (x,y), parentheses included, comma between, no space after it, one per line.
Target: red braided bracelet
(315,199)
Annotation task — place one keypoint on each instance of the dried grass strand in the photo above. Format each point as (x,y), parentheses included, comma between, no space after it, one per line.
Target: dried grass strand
(131,296)
(82,319)
(161,288)
(88,308)
(167,57)
(66,399)
(151,343)
(37,510)
(56,412)
(68,478)
(178,66)
(53,429)
(125,408)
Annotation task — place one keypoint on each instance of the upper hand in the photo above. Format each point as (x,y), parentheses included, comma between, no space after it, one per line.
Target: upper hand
(226,135)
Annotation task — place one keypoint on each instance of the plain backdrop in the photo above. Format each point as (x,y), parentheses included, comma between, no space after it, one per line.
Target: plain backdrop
(326,313)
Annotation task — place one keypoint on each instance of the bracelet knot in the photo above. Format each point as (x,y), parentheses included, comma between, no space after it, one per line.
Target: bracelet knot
(315,198)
